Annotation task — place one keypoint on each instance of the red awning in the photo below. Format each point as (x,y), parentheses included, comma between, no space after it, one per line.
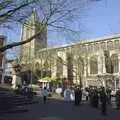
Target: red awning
(68,81)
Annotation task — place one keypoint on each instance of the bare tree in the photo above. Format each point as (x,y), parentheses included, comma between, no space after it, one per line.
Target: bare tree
(10,11)
(54,14)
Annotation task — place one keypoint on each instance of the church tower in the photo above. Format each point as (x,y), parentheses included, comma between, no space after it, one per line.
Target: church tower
(30,28)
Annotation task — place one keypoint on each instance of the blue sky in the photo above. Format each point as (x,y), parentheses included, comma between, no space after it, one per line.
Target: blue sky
(103,19)
(99,19)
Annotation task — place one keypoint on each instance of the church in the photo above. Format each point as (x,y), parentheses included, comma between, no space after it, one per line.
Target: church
(89,63)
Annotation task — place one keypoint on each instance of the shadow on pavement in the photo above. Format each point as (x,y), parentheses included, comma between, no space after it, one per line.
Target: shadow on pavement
(61,110)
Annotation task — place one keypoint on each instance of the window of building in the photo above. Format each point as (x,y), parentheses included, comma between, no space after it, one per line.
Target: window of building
(70,66)
(93,65)
(37,66)
(103,45)
(46,72)
(96,46)
(59,73)
(116,44)
(83,48)
(115,64)
(80,66)
(90,47)
(109,45)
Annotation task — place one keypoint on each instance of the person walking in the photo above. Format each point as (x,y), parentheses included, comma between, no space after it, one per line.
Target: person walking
(108,92)
(104,101)
(95,99)
(78,96)
(91,94)
(87,96)
(118,99)
(67,95)
(45,94)
(72,96)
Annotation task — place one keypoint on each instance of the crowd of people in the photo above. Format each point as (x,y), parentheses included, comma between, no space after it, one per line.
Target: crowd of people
(24,91)
(96,97)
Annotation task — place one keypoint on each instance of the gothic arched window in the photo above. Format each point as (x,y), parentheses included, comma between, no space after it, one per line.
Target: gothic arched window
(93,65)
(80,66)
(109,45)
(59,67)
(115,64)
(70,62)
(116,43)
(37,65)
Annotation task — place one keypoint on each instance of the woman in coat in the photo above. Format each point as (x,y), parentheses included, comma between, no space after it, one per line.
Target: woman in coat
(67,95)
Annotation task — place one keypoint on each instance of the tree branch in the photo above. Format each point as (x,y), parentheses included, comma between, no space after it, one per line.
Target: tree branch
(18,43)
(43,25)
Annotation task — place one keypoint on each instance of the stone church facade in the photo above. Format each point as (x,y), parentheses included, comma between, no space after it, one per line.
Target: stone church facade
(29,28)
(94,62)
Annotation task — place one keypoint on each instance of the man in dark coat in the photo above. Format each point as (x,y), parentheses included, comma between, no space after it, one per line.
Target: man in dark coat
(108,91)
(78,96)
(95,99)
(104,101)
(118,99)
(76,92)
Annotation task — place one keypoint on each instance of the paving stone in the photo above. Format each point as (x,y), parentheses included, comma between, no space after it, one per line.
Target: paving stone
(50,118)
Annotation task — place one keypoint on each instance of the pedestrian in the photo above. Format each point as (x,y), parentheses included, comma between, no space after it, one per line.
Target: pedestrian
(78,96)
(45,94)
(95,99)
(108,91)
(87,93)
(91,94)
(87,96)
(104,101)
(118,99)
(72,96)
(67,95)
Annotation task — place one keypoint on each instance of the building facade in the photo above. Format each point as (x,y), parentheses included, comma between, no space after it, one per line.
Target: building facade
(30,27)
(94,62)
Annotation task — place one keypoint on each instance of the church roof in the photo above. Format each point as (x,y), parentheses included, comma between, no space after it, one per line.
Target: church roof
(105,38)
(2,37)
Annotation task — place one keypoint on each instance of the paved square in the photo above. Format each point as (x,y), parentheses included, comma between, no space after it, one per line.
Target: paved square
(59,110)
